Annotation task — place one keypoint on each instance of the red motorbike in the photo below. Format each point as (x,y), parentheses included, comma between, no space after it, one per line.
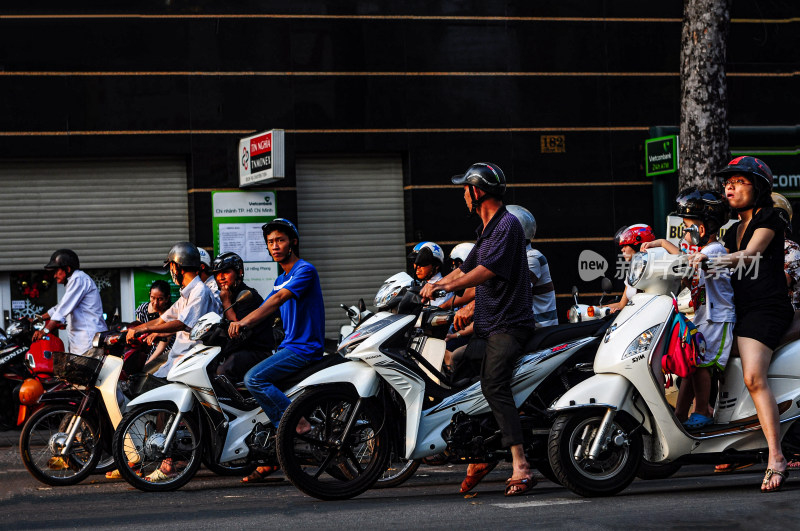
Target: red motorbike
(26,370)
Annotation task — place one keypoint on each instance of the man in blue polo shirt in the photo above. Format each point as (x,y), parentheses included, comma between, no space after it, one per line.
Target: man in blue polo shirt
(503,320)
(298,295)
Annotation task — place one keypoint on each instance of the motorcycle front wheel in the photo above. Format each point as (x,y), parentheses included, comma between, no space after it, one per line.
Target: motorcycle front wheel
(323,462)
(43,438)
(138,448)
(571,438)
(398,471)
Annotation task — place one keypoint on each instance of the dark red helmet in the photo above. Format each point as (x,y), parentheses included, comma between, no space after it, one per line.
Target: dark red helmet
(636,235)
(749,166)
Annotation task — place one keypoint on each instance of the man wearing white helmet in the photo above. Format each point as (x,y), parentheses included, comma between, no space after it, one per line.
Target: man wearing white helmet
(206,276)
(428,260)
(543,291)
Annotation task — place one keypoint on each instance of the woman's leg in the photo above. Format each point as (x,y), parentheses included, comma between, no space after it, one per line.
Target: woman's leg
(756,357)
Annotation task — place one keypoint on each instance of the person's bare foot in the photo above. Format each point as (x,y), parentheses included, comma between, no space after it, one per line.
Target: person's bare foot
(775,481)
(522,471)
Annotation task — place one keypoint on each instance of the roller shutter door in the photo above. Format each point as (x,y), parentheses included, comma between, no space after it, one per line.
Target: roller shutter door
(350,214)
(120,213)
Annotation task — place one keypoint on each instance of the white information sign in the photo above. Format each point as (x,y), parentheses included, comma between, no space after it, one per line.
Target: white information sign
(261,276)
(261,158)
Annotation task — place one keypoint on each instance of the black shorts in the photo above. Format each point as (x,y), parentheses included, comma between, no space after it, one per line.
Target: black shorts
(765,323)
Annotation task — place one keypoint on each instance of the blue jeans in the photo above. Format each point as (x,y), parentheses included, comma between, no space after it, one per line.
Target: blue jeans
(259,381)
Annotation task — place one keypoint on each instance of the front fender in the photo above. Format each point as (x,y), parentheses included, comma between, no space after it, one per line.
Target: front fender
(178,394)
(70,396)
(360,375)
(604,391)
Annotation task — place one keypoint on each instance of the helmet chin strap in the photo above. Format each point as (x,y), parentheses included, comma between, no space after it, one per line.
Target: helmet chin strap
(177,277)
(476,201)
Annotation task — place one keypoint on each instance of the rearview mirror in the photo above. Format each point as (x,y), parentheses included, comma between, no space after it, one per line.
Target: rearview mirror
(606,285)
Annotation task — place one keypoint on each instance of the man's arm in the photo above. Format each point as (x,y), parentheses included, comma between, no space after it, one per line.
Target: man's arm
(474,278)
(156,325)
(262,312)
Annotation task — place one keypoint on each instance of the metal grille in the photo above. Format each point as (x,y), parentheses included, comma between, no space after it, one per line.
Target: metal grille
(352,229)
(119,213)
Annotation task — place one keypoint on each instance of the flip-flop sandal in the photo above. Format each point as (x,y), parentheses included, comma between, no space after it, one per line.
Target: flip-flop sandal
(697,421)
(768,475)
(472,480)
(158,475)
(730,467)
(114,474)
(257,476)
(57,463)
(525,486)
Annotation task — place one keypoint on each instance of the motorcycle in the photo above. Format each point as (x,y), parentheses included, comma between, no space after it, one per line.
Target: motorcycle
(607,424)
(22,359)
(579,313)
(198,417)
(63,442)
(387,396)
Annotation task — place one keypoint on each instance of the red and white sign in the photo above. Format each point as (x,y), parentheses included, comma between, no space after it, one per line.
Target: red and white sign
(261,158)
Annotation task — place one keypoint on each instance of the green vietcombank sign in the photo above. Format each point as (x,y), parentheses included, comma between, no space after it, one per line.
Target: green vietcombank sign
(661,155)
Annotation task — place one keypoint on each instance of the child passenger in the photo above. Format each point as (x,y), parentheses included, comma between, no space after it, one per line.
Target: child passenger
(703,213)
(630,241)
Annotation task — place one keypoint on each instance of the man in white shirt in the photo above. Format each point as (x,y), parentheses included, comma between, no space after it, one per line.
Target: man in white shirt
(196,300)
(80,307)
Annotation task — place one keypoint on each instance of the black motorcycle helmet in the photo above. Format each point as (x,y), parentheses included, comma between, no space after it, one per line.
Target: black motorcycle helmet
(758,172)
(228,261)
(484,176)
(285,226)
(707,206)
(62,259)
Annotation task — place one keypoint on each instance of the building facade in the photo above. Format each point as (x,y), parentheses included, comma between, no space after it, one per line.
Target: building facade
(118,123)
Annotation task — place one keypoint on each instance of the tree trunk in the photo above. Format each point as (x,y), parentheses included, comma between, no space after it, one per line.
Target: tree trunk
(704,92)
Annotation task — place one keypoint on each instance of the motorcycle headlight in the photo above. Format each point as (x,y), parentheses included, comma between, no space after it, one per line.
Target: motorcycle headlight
(638,267)
(385,294)
(641,344)
(14,329)
(201,327)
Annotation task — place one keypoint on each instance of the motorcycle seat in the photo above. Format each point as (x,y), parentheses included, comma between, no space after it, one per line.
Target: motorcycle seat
(551,336)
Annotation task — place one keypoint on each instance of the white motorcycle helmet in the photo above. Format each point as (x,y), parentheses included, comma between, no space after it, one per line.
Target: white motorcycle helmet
(525,218)
(392,291)
(205,258)
(460,253)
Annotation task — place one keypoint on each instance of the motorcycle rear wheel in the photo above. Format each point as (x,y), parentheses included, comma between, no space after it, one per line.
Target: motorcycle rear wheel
(320,463)
(138,448)
(43,437)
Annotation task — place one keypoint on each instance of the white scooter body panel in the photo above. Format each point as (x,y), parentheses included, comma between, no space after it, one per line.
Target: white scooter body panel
(178,394)
(238,429)
(360,375)
(107,383)
(529,372)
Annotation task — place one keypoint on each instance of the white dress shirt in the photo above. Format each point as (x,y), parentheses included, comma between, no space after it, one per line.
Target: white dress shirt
(82,310)
(195,301)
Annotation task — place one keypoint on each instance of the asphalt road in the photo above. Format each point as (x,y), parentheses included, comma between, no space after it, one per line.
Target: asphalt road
(693,498)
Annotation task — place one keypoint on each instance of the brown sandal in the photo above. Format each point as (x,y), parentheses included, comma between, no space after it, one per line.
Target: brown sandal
(525,486)
(259,475)
(472,480)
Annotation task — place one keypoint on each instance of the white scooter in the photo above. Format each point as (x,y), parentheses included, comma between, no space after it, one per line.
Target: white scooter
(608,423)
(385,397)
